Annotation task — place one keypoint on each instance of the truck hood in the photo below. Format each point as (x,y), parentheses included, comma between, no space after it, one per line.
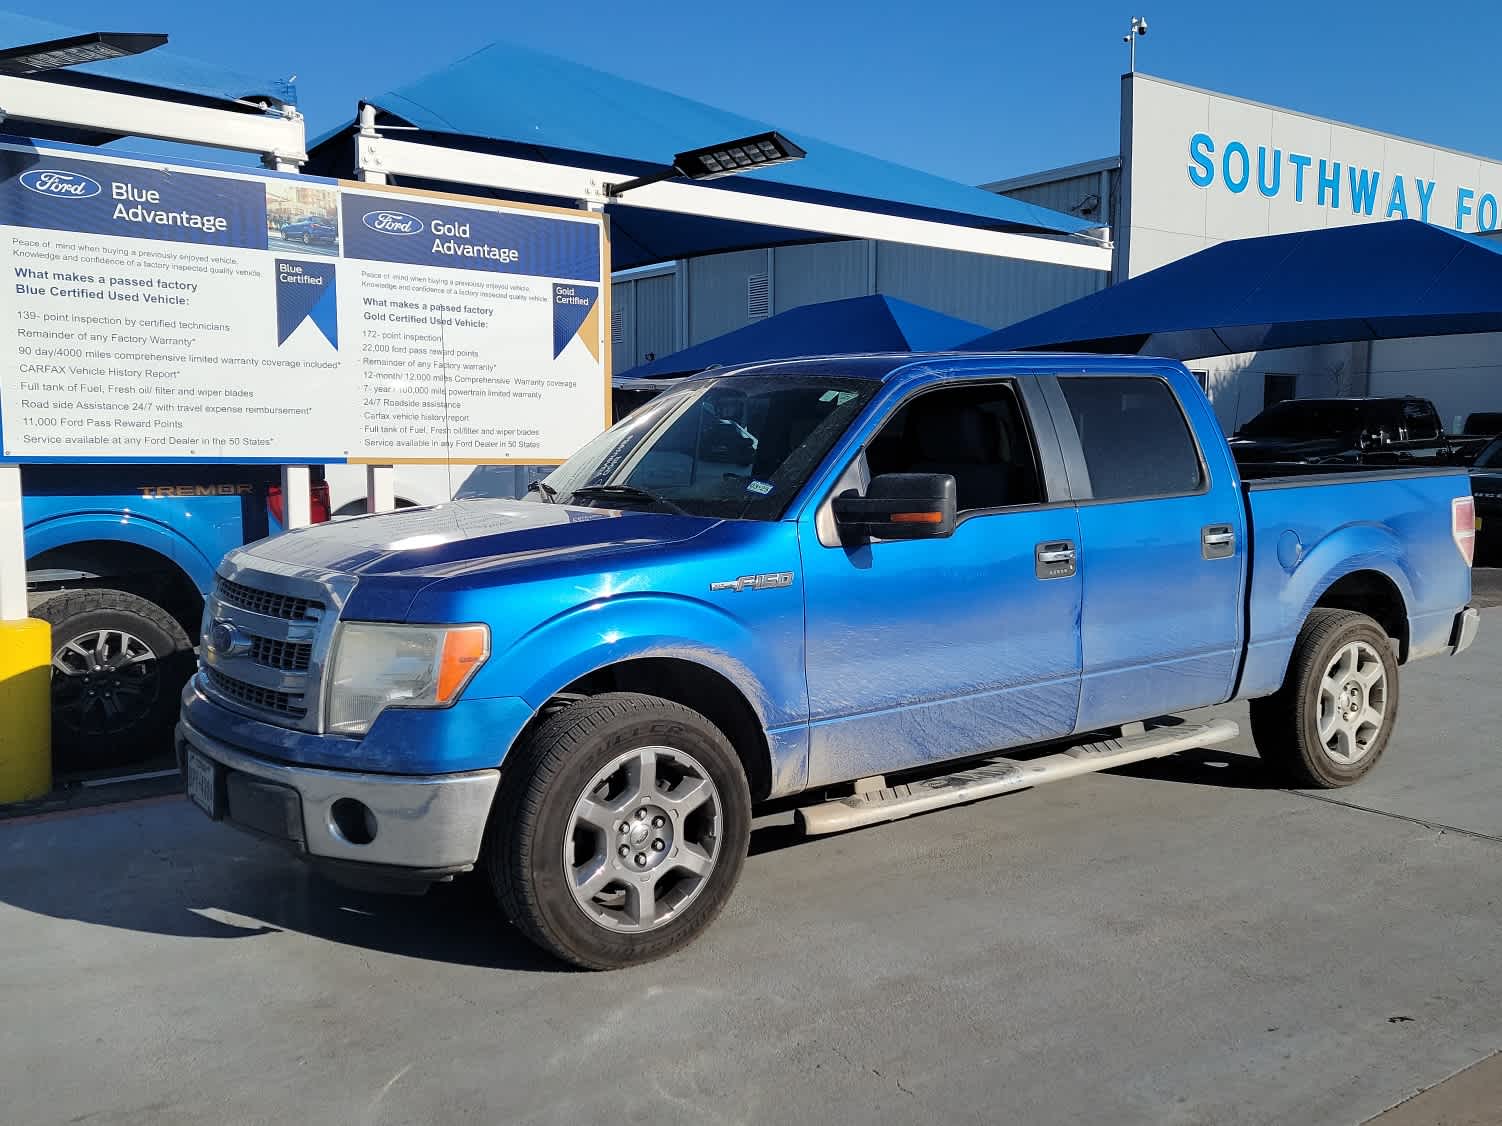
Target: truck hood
(430,543)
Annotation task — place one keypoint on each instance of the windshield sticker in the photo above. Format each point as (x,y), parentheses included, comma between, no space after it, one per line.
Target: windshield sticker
(760,488)
(838,398)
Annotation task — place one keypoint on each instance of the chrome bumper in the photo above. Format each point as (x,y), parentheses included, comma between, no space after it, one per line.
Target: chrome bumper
(430,823)
(1467,622)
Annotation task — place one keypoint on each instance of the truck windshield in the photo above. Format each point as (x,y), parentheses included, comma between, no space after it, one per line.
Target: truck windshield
(1304,418)
(738,447)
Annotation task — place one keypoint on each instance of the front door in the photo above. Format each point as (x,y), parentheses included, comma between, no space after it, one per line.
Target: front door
(924,650)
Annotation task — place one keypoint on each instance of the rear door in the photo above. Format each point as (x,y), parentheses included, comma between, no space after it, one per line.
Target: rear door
(1162,546)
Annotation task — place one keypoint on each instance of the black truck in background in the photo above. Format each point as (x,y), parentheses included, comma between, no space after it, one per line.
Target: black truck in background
(1369,431)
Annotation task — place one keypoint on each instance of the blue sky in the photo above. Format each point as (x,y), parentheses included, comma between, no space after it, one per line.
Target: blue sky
(971,90)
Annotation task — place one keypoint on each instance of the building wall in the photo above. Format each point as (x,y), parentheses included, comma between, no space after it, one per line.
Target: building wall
(719,291)
(1460,373)
(1200,168)
(826,271)
(990,291)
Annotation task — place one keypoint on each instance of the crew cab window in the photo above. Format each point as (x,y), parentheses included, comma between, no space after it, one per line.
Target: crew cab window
(1134,436)
(977,435)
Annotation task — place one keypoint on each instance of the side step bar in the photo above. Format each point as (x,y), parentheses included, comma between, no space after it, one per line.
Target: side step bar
(1003,775)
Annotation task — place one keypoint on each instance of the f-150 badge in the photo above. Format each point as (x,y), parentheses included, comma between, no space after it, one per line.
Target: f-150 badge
(772,581)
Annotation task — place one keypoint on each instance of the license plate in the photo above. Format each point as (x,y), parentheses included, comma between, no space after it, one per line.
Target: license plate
(203,783)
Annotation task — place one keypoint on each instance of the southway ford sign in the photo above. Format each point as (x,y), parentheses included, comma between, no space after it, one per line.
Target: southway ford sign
(1321,181)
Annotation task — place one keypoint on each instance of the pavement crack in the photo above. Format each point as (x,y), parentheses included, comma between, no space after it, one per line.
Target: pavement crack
(1437,826)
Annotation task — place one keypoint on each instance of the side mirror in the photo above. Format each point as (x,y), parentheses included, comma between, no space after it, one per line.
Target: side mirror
(899,506)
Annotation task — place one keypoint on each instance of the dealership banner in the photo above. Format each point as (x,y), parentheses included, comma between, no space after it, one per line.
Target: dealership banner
(164,312)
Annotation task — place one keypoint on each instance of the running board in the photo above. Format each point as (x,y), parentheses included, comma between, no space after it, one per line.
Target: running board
(1003,775)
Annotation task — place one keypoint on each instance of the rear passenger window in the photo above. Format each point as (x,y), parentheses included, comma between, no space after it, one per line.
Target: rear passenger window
(1135,438)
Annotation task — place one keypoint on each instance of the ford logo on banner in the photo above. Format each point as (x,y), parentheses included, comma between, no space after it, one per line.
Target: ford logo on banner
(51,181)
(392,222)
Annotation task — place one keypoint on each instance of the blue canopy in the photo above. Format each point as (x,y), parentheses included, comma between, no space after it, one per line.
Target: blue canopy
(1373,281)
(517,102)
(875,323)
(162,69)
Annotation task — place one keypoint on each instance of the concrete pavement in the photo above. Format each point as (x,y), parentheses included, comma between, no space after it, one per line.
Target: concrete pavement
(1174,943)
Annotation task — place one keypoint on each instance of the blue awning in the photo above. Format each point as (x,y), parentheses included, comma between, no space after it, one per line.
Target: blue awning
(875,323)
(512,101)
(1373,281)
(157,73)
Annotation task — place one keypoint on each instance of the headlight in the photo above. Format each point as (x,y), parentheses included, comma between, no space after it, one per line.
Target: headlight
(382,666)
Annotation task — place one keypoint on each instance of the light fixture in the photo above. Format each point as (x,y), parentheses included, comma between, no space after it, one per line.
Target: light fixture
(728,159)
(75,50)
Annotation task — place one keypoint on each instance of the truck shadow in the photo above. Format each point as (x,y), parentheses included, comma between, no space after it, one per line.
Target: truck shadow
(1226,769)
(164,870)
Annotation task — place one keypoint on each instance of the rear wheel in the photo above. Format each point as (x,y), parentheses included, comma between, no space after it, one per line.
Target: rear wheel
(620,830)
(118,665)
(1332,719)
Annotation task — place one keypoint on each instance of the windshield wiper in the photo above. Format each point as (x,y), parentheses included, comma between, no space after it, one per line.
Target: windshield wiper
(626,493)
(548,493)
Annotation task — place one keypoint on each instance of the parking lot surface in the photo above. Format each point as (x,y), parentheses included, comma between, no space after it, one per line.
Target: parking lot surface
(1178,942)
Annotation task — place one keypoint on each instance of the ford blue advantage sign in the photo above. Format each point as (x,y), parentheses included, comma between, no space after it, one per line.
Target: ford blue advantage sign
(170,312)
(119,199)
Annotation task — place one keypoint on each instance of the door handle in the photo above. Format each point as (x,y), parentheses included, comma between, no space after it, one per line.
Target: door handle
(1054,560)
(1218,541)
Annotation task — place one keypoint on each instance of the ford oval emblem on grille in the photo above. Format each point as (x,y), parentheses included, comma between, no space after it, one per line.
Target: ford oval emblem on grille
(55,182)
(227,640)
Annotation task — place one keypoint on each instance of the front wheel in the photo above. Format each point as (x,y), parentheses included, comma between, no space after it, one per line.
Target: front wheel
(1332,719)
(620,830)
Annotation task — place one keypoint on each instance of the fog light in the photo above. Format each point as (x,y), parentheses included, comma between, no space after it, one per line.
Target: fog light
(352,821)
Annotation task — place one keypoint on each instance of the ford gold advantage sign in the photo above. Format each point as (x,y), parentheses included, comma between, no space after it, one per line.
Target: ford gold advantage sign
(163,312)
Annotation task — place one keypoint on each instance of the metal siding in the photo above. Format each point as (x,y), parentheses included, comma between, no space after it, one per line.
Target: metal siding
(717,292)
(991,291)
(1065,195)
(654,317)
(819,272)
(622,306)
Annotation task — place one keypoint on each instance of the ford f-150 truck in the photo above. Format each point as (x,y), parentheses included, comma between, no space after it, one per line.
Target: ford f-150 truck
(878,584)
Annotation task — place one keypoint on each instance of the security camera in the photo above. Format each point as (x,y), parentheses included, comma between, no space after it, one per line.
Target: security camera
(1142,28)
(1139,24)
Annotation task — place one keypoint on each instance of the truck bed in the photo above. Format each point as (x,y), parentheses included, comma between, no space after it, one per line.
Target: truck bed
(1385,529)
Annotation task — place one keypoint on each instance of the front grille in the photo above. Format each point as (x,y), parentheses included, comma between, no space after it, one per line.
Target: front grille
(289,656)
(254,696)
(272,605)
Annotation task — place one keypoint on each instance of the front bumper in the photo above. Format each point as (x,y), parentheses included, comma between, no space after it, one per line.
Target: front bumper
(420,827)
(1467,622)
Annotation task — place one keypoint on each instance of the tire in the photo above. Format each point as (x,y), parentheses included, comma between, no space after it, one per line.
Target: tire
(126,710)
(587,749)
(307,238)
(1332,719)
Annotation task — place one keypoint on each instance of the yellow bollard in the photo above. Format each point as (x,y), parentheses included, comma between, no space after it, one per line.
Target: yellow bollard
(25,709)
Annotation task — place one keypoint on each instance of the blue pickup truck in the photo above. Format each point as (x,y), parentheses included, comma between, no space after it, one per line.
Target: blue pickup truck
(118,559)
(878,585)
